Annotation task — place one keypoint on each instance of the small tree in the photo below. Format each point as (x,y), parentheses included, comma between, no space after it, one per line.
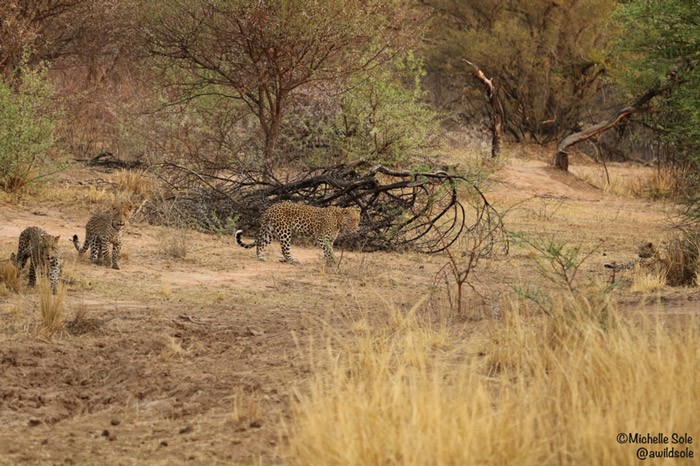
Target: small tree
(382,117)
(545,56)
(27,124)
(261,53)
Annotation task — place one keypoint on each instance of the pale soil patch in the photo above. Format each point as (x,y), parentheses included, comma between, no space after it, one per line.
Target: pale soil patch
(170,352)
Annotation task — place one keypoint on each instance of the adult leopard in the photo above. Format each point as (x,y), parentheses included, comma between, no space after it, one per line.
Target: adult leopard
(648,258)
(283,219)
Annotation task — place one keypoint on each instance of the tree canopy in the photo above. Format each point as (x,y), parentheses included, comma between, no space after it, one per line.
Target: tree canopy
(661,49)
(261,53)
(546,58)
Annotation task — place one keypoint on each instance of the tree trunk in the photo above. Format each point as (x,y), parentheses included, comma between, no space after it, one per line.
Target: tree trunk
(496,109)
(561,158)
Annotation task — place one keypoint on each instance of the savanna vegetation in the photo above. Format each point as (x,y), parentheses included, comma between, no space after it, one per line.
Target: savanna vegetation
(489,310)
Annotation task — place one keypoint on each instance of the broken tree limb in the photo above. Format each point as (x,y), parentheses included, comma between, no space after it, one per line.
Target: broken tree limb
(496,108)
(561,158)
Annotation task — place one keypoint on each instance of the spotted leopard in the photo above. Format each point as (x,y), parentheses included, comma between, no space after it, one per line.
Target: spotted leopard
(283,219)
(102,229)
(649,257)
(41,249)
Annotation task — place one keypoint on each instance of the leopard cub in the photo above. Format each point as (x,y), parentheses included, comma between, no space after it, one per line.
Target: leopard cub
(102,229)
(41,249)
(648,258)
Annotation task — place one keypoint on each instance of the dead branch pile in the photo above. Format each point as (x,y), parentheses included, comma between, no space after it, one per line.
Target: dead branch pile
(108,160)
(401,210)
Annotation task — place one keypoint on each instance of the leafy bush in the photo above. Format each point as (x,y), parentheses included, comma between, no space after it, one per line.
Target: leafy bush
(381,117)
(660,50)
(27,122)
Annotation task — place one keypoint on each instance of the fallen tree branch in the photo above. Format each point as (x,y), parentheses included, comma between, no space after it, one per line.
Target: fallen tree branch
(561,158)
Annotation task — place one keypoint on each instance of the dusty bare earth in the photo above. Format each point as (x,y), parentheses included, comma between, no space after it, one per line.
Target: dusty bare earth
(194,360)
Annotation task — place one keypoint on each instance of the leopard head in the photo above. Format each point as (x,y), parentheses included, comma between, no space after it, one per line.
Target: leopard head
(349,218)
(50,244)
(647,250)
(120,215)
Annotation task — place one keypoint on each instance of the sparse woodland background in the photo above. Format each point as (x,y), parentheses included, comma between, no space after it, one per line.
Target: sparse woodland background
(254,87)
(234,105)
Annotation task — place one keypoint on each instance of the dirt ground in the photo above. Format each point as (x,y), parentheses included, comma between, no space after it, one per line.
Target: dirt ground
(194,360)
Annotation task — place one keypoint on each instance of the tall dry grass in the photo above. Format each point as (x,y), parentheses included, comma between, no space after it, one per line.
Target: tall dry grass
(648,281)
(661,183)
(551,389)
(51,306)
(135,182)
(9,276)
(683,256)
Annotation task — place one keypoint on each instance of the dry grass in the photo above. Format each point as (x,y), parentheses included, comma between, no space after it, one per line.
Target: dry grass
(172,349)
(136,183)
(245,407)
(652,183)
(683,255)
(659,184)
(98,195)
(534,390)
(51,306)
(81,323)
(9,276)
(176,243)
(646,282)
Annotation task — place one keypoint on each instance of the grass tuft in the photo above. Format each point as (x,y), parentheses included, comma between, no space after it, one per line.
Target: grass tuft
(662,183)
(135,183)
(176,243)
(245,407)
(51,306)
(9,276)
(683,255)
(646,282)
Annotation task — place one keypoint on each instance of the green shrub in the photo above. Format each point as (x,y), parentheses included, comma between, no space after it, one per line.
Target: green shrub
(384,118)
(27,122)
(379,117)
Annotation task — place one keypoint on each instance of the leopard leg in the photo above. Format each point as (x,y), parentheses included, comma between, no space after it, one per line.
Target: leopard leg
(327,247)
(285,238)
(32,274)
(95,246)
(54,273)
(104,252)
(116,247)
(264,238)
(22,260)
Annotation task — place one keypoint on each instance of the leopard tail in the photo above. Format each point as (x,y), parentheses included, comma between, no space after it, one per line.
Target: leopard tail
(240,242)
(76,243)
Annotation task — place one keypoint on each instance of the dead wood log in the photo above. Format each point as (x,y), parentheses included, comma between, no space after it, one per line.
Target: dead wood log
(106,159)
(497,113)
(561,158)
